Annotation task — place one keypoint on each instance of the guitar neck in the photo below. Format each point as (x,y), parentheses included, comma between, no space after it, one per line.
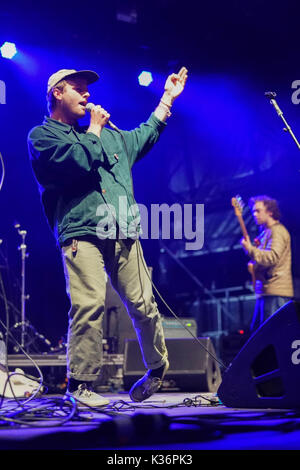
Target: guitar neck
(243,227)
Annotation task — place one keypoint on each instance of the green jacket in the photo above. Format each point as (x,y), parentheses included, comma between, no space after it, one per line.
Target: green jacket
(79,175)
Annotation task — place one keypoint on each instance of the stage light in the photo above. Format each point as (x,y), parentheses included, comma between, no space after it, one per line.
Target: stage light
(8,50)
(145,78)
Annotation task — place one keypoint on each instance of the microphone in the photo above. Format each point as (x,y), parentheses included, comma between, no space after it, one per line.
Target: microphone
(270,94)
(89,108)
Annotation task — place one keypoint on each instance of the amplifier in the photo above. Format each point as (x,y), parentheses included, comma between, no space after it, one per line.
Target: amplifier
(175,329)
(193,366)
(49,360)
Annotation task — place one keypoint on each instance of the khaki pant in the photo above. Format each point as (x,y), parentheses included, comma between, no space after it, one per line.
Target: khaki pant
(85,263)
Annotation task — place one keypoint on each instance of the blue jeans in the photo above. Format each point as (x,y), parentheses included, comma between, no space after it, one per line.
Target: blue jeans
(265,307)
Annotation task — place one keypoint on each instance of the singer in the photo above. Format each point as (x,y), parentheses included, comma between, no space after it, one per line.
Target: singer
(78,169)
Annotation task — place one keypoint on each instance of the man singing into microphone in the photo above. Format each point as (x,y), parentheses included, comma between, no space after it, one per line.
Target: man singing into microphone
(82,173)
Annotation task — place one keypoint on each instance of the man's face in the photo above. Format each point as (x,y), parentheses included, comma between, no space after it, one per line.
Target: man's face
(260,213)
(73,98)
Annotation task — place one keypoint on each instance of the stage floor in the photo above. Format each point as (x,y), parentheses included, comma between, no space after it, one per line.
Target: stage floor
(166,421)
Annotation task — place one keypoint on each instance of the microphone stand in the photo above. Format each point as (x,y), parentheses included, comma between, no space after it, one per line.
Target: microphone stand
(24,297)
(287,128)
(24,324)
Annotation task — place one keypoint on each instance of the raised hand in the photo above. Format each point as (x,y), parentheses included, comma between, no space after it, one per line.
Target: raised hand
(175,83)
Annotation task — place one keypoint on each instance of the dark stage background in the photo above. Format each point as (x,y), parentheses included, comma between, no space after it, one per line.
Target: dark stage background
(224,138)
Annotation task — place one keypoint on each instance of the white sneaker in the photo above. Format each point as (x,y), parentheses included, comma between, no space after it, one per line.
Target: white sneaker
(85,396)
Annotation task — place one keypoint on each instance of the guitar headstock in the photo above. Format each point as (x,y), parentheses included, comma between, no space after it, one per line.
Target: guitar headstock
(238,205)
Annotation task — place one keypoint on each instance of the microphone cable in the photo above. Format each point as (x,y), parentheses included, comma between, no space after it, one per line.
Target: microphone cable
(140,255)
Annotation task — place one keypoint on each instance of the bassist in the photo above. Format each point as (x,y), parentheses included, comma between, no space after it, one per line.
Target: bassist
(271,260)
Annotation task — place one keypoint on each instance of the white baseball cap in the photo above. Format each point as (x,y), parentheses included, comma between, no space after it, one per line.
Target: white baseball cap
(56,77)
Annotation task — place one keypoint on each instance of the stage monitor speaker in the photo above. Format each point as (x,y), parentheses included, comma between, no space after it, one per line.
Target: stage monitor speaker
(192,368)
(266,371)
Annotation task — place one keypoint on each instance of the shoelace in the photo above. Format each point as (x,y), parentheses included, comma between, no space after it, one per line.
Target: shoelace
(154,381)
(84,390)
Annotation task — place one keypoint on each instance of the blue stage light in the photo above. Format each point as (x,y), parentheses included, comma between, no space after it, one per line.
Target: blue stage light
(145,78)
(8,50)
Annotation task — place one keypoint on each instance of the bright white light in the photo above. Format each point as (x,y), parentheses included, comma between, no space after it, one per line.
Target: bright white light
(8,50)
(145,78)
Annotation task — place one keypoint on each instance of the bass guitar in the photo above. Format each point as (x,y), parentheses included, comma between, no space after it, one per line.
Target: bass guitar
(238,206)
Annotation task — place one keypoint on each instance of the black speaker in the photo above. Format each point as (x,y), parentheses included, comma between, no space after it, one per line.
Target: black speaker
(266,371)
(192,368)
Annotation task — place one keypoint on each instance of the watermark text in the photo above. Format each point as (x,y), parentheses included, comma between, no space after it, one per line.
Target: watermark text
(161,221)
(2,92)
